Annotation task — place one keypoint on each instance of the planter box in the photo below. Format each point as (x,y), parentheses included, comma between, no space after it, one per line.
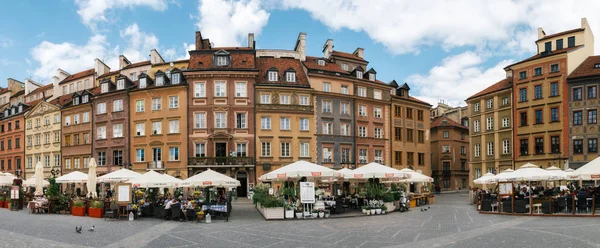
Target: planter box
(289,214)
(78,211)
(390,206)
(272,213)
(2,204)
(396,205)
(95,212)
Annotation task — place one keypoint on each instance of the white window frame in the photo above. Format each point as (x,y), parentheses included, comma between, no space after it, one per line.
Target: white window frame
(284,99)
(265,123)
(304,149)
(304,100)
(506,146)
(272,76)
(200,120)
(505,122)
(117,105)
(199,89)
(344,90)
(140,129)
(173,102)
(101,132)
(290,76)
(139,105)
(220,89)
(101,108)
(265,149)
(284,149)
(477,150)
(362,91)
(240,89)
(265,98)
(220,119)
(304,124)
(284,123)
(157,127)
(156,103)
(489,123)
(490,148)
(117,130)
(377,94)
(362,131)
(121,84)
(326,87)
(173,126)
(359,74)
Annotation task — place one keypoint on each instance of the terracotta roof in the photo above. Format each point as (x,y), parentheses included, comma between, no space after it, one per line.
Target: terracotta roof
(4,90)
(78,75)
(21,92)
(40,89)
(500,85)
(63,100)
(32,104)
(312,64)
(561,33)
(175,62)
(109,74)
(446,122)
(419,101)
(282,65)
(143,63)
(346,55)
(539,55)
(586,68)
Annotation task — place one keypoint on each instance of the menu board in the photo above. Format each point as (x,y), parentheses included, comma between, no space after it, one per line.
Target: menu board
(14,193)
(505,188)
(307,192)
(123,193)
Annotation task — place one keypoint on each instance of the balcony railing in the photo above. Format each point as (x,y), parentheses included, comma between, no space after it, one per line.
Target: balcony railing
(155,165)
(220,161)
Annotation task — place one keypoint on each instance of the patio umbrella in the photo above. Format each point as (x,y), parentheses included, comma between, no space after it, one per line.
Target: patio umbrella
(557,173)
(91,178)
(73,177)
(6,180)
(210,178)
(297,170)
(121,175)
(570,174)
(376,170)
(152,179)
(505,176)
(176,181)
(589,171)
(416,177)
(531,172)
(31,182)
(488,178)
(39,179)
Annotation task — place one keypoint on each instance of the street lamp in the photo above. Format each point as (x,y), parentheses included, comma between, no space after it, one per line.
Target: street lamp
(55,171)
(18,172)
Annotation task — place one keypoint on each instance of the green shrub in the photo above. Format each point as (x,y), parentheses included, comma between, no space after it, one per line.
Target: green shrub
(389,197)
(272,202)
(97,204)
(78,203)
(2,198)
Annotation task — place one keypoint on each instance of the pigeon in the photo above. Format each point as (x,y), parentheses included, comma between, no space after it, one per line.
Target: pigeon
(428,207)
(425,210)
(92,228)
(421,210)
(78,229)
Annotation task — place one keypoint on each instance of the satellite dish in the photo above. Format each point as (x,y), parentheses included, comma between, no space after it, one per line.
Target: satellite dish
(171,64)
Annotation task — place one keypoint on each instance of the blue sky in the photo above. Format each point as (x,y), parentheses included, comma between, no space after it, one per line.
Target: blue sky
(444,49)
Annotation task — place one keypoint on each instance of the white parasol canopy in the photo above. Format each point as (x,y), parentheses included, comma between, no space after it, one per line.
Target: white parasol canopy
(210,178)
(173,179)
(39,179)
(91,180)
(505,176)
(6,180)
(73,177)
(31,182)
(152,179)
(375,170)
(416,177)
(298,170)
(531,172)
(570,174)
(557,173)
(589,171)
(121,175)
(488,178)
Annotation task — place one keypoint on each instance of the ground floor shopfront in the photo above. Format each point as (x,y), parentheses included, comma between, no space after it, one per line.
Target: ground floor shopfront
(243,173)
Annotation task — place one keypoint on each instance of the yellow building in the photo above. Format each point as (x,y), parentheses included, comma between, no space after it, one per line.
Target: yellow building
(42,138)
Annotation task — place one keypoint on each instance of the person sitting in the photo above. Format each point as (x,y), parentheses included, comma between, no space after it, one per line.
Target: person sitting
(168,207)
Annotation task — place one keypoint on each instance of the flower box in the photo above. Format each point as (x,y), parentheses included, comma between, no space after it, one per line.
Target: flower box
(272,213)
(390,206)
(2,204)
(95,212)
(78,211)
(289,214)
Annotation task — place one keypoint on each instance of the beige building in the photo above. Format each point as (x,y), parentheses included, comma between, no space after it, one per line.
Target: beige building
(457,114)
(42,138)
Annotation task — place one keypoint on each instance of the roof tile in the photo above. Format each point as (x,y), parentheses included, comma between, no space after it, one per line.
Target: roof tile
(500,85)
(282,65)
(446,122)
(586,68)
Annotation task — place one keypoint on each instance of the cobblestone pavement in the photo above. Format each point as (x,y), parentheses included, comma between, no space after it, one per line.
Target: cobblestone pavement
(449,223)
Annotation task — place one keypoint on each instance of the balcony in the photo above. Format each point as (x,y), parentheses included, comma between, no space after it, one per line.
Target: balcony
(155,165)
(203,162)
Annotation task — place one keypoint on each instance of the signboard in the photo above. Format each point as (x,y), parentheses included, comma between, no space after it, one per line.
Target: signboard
(14,193)
(505,188)
(389,174)
(207,183)
(316,174)
(596,176)
(307,192)
(123,193)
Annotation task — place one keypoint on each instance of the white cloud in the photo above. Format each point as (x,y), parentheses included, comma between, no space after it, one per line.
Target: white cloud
(94,11)
(456,78)
(227,23)
(139,43)
(6,42)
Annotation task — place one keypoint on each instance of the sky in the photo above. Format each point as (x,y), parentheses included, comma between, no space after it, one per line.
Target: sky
(446,50)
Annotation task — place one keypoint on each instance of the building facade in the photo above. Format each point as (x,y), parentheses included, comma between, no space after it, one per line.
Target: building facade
(491,131)
(12,135)
(77,135)
(449,148)
(43,138)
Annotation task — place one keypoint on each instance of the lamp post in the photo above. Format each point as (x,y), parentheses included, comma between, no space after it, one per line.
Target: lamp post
(55,171)
(18,172)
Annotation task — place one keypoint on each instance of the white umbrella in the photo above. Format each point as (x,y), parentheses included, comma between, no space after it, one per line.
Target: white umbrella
(73,177)
(298,170)
(375,170)
(210,178)
(39,179)
(488,178)
(506,176)
(91,178)
(31,182)
(589,171)
(570,174)
(531,172)
(557,173)
(152,179)
(121,175)
(176,181)
(6,180)
(416,177)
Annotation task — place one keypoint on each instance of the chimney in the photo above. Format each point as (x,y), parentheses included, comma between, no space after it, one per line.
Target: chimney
(328,48)
(584,23)
(509,73)
(198,40)
(360,52)
(100,68)
(301,46)
(541,33)
(123,62)
(251,40)
(155,57)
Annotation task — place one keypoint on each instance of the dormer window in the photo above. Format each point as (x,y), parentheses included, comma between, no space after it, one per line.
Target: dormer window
(290,76)
(76,101)
(176,78)
(20,108)
(120,84)
(359,74)
(168,73)
(221,60)
(13,111)
(272,76)
(142,83)
(371,76)
(5,112)
(321,62)
(160,80)
(104,88)
(596,65)
(345,67)
(85,99)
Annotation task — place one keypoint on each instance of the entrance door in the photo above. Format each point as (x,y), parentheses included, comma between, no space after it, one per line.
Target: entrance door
(242,190)
(220,149)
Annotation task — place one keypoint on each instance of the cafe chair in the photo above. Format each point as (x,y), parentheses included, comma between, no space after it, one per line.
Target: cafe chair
(176,214)
(562,204)
(112,212)
(582,204)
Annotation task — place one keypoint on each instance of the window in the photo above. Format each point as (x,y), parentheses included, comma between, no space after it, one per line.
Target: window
(17,142)
(118,131)
(64,90)
(397,111)
(304,150)
(419,115)
(304,126)
(321,62)
(327,128)
(397,157)
(199,120)
(378,133)
(326,87)
(409,158)
(345,108)
(304,100)
(377,112)
(47,120)
(326,106)
(397,133)
(265,150)
(140,155)
(327,155)
(555,144)
(67,163)
(537,71)
(409,113)
(577,116)
(29,124)
(359,74)
(199,90)
(559,44)
(345,67)
(200,150)
(120,84)
(284,99)
(362,110)
(538,92)
(67,120)
(523,94)
(265,123)
(265,99)
(477,150)
(174,126)
(56,137)
(362,131)
(220,89)
(591,92)
(377,94)
(157,154)
(140,129)
(476,126)
(523,118)
(523,75)
(46,138)
(101,132)
(420,136)
(221,60)
(362,91)
(379,156)
(104,88)
(118,157)
(173,153)
(101,158)
(240,120)
(75,101)
(362,156)
(571,41)
(524,147)
(577,94)
(272,76)
(592,117)
(284,123)
(578,146)
(47,161)
(476,107)
(29,162)
(174,102)
(290,76)
(240,150)
(489,123)
(446,134)
(156,127)
(490,103)
(86,117)
(220,120)
(539,145)
(554,89)
(592,145)
(505,122)
(539,117)
(372,76)
(344,90)
(175,78)
(345,155)
(160,80)
(285,149)
(86,138)
(445,149)
(345,129)
(504,101)
(139,106)
(240,89)
(117,105)
(409,135)
(554,68)
(505,146)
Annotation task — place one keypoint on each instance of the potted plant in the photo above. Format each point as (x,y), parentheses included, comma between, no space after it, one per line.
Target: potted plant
(78,208)
(368,210)
(327,212)
(364,209)
(96,209)
(383,209)
(200,215)
(289,211)
(315,213)
(321,213)
(2,202)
